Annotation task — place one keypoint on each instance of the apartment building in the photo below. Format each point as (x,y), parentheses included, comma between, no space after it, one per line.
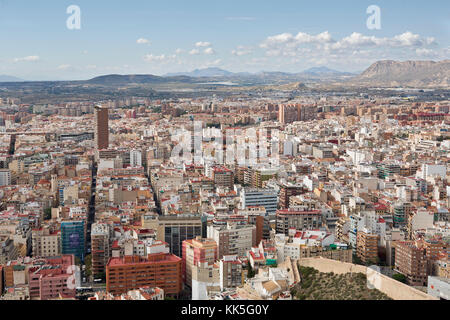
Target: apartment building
(233,238)
(100,247)
(5,177)
(231,272)
(288,191)
(367,246)
(160,269)
(222,177)
(411,261)
(253,197)
(297,219)
(197,251)
(46,241)
(8,250)
(52,279)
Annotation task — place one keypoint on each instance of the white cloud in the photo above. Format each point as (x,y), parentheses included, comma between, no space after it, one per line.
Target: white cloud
(407,39)
(202,44)
(28,59)
(300,38)
(209,51)
(353,52)
(142,41)
(162,57)
(179,51)
(194,52)
(241,51)
(356,40)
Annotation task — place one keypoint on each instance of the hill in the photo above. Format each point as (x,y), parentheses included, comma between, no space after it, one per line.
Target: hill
(390,73)
(6,78)
(316,285)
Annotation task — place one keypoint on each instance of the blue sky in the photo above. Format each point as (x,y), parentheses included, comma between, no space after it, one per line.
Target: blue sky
(239,36)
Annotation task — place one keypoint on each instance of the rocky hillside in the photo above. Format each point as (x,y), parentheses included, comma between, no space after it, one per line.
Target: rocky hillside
(409,73)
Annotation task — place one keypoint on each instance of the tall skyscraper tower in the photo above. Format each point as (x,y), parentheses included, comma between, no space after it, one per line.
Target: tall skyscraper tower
(101,128)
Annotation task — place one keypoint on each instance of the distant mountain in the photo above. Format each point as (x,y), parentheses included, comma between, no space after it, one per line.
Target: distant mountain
(199,73)
(117,79)
(325,71)
(409,73)
(5,78)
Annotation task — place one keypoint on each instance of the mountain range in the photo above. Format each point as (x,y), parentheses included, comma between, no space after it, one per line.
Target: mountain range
(5,78)
(217,72)
(387,73)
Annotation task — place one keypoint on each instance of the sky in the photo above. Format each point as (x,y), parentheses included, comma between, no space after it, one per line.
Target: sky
(159,37)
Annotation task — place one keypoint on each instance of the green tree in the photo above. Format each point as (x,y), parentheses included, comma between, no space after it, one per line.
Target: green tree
(251,273)
(48,214)
(399,277)
(88,264)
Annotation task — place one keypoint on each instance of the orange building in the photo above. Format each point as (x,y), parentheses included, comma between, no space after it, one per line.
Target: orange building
(162,270)
(367,247)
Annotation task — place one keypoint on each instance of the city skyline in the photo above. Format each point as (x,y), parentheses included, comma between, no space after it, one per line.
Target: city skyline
(234,151)
(156,38)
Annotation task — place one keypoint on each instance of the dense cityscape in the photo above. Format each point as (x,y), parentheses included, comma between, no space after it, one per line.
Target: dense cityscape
(222,198)
(145,170)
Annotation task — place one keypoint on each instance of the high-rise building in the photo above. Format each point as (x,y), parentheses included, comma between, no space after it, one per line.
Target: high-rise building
(73,238)
(233,238)
(254,197)
(367,246)
(135,158)
(5,177)
(101,128)
(100,247)
(174,229)
(411,261)
(197,251)
(289,113)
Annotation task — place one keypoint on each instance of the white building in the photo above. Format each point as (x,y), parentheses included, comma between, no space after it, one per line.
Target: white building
(5,177)
(429,170)
(266,198)
(135,158)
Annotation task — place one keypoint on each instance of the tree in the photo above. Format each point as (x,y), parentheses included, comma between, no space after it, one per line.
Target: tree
(48,214)
(399,277)
(88,263)
(251,273)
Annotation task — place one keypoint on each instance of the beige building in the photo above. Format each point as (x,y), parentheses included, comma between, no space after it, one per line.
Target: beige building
(46,242)
(196,251)
(233,239)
